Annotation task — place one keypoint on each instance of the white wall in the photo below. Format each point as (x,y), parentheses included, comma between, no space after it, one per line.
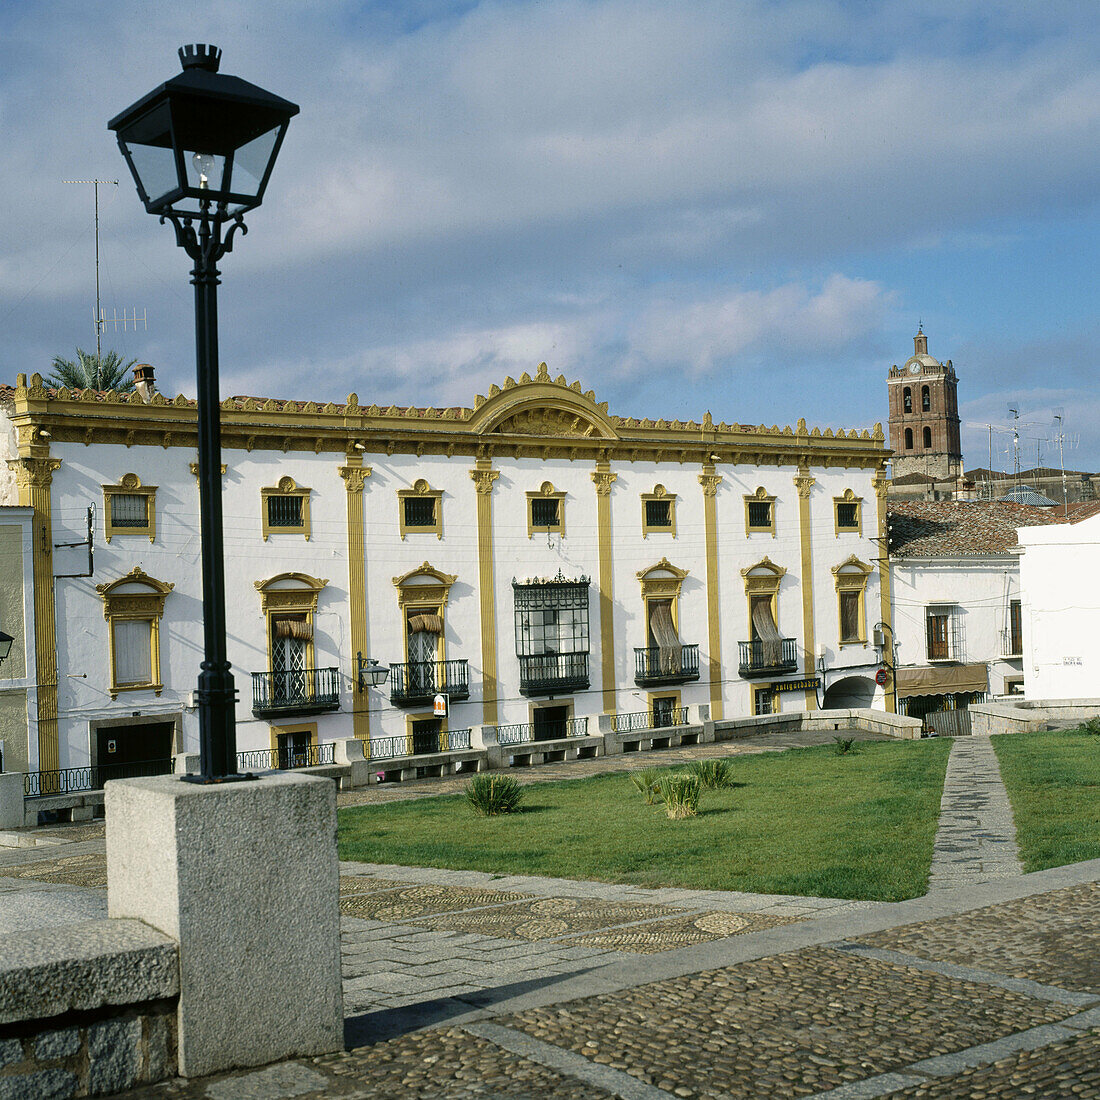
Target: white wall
(1061,607)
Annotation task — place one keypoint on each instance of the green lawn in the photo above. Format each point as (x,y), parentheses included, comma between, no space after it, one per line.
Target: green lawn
(1053,783)
(805,821)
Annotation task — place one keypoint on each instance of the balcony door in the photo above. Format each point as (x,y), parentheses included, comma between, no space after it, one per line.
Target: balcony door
(289,658)
(424,628)
(765,634)
(663,639)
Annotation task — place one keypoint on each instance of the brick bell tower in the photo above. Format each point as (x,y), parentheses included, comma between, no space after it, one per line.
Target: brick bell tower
(924,415)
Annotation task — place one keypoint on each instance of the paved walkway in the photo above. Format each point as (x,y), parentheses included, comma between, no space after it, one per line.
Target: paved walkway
(976,839)
(466,985)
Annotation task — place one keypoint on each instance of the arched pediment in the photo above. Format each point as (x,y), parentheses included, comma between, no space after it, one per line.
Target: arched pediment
(424,584)
(661,580)
(296,592)
(542,406)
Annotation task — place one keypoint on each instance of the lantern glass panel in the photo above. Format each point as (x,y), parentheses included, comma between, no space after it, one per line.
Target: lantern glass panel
(155,166)
(250,163)
(205,171)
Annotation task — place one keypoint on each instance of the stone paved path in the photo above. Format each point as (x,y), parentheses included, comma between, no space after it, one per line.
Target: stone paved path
(976,839)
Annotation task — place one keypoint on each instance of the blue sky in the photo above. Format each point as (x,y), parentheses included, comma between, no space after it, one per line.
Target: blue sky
(738,206)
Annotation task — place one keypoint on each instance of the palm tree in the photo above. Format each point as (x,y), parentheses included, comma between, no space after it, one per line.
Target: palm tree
(93,372)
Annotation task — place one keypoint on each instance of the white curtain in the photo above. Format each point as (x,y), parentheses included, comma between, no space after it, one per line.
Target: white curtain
(771,642)
(664,634)
(133,651)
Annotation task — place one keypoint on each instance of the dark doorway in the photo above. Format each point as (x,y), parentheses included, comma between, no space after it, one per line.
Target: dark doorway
(550,723)
(123,752)
(294,749)
(425,735)
(664,711)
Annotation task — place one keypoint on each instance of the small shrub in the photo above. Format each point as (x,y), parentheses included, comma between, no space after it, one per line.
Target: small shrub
(843,745)
(1092,726)
(647,781)
(680,794)
(490,795)
(713,774)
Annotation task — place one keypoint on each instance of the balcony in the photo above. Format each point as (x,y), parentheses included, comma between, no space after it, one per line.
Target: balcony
(1012,643)
(655,666)
(301,691)
(285,757)
(418,682)
(553,673)
(417,744)
(760,658)
(525,732)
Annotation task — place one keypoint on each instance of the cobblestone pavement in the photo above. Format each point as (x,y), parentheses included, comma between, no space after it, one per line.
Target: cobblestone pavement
(976,838)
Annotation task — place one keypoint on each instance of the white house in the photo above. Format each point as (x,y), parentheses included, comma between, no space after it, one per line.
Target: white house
(1059,565)
(958,625)
(533,556)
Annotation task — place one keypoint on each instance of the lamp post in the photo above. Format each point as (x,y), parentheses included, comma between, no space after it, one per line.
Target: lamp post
(201,148)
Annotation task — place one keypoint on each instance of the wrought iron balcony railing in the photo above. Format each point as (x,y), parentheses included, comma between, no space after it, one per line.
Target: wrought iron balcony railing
(666,666)
(420,681)
(553,673)
(1012,643)
(301,691)
(760,658)
(545,731)
(648,720)
(90,777)
(417,744)
(262,760)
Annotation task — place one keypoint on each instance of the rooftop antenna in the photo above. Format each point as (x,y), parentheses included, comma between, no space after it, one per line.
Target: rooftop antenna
(1015,445)
(98,313)
(1062,464)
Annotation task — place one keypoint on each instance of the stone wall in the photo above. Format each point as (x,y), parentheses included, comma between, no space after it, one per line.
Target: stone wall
(86,1009)
(1030,715)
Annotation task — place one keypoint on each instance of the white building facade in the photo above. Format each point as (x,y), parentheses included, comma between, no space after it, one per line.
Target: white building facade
(533,558)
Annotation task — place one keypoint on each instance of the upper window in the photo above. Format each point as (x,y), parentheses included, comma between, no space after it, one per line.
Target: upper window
(133,606)
(760,513)
(851,578)
(943,631)
(129,508)
(285,509)
(546,511)
(908,439)
(907,400)
(421,510)
(658,512)
(1014,633)
(551,616)
(925,399)
(928,437)
(848,513)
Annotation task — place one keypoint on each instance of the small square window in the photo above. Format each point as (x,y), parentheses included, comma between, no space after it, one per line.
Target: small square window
(847,515)
(658,513)
(760,513)
(129,508)
(286,509)
(764,701)
(419,511)
(284,512)
(544,513)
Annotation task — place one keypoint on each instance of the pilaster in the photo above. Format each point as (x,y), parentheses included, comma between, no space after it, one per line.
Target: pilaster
(483,477)
(710,482)
(603,479)
(804,484)
(355,475)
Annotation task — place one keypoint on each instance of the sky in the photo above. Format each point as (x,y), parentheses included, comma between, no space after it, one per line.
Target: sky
(742,206)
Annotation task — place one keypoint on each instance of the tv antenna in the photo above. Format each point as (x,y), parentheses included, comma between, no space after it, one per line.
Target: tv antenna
(98,312)
(1062,463)
(1015,445)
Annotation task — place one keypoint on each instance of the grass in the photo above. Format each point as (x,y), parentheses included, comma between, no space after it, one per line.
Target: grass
(1053,783)
(798,822)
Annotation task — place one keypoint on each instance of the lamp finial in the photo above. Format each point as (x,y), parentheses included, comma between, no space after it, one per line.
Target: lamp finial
(200,56)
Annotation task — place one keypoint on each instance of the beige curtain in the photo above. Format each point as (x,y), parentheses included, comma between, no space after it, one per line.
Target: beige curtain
(293,628)
(664,633)
(771,643)
(425,624)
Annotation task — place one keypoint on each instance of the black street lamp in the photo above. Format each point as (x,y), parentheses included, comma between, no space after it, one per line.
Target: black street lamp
(201,148)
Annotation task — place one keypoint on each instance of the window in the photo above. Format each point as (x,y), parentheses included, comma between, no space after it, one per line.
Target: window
(552,635)
(943,629)
(658,512)
(1013,634)
(285,509)
(925,399)
(422,599)
(421,510)
(133,606)
(850,578)
(1014,685)
(848,512)
(288,602)
(546,511)
(760,513)
(763,701)
(908,439)
(927,437)
(907,400)
(129,508)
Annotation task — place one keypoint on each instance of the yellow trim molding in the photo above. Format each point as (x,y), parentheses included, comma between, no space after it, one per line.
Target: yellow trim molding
(421,490)
(484,478)
(144,605)
(603,479)
(804,484)
(309,728)
(433,591)
(286,488)
(659,494)
(763,579)
(886,606)
(851,576)
(760,497)
(130,485)
(710,481)
(355,475)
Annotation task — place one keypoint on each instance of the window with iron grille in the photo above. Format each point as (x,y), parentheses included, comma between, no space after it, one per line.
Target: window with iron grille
(847,516)
(658,513)
(284,511)
(764,701)
(944,633)
(551,617)
(129,510)
(760,514)
(544,512)
(419,511)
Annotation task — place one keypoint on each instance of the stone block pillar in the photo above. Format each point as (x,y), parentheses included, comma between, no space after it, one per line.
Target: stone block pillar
(11,800)
(244,876)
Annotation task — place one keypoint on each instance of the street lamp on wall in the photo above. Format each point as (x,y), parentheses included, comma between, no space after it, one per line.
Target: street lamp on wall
(5,646)
(370,672)
(201,148)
